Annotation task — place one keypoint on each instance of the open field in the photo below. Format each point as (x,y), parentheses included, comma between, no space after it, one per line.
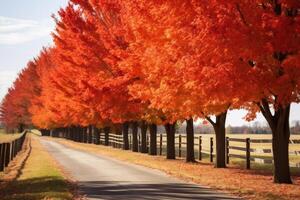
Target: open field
(36,132)
(40,178)
(260,150)
(248,184)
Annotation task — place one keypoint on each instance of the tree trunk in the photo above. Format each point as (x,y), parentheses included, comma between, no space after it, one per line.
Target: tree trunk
(190,155)
(106,136)
(65,132)
(85,137)
(135,143)
(219,128)
(125,136)
(144,128)
(220,132)
(90,135)
(170,129)
(97,135)
(80,134)
(153,139)
(77,132)
(71,130)
(280,145)
(279,124)
(45,132)
(21,128)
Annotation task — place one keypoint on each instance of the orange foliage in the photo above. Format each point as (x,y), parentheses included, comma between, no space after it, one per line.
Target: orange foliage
(119,61)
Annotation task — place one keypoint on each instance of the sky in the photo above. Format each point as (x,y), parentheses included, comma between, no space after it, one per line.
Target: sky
(25,27)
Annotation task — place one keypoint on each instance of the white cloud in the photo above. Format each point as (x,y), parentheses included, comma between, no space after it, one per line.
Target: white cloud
(17,31)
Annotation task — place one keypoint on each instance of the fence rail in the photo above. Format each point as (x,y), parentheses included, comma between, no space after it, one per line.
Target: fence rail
(238,148)
(263,154)
(9,150)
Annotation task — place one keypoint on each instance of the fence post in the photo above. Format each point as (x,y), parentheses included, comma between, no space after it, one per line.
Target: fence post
(139,143)
(130,141)
(18,145)
(200,148)
(160,144)
(117,142)
(106,136)
(1,157)
(7,154)
(12,152)
(111,140)
(227,150)
(97,136)
(15,148)
(248,153)
(179,146)
(90,135)
(4,155)
(148,143)
(100,136)
(121,142)
(211,149)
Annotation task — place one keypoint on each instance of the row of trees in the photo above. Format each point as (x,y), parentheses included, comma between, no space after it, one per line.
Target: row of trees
(136,62)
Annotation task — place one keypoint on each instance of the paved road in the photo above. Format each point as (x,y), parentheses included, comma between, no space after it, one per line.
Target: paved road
(103,178)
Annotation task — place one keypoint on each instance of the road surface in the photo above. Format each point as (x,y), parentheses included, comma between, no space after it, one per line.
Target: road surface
(100,177)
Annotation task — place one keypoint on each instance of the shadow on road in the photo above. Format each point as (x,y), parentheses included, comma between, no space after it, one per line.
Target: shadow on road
(129,191)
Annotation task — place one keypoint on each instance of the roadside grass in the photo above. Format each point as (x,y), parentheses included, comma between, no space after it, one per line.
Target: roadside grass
(6,137)
(40,178)
(247,184)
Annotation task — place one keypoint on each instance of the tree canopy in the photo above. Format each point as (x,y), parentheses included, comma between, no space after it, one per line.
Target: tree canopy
(115,62)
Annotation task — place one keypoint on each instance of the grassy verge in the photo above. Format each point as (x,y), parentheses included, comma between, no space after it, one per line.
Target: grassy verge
(39,178)
(247,184)
(4,137)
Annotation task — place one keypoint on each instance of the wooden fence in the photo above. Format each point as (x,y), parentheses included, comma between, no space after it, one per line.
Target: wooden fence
(257,155)
(245,149)
(236,148)
(9,150)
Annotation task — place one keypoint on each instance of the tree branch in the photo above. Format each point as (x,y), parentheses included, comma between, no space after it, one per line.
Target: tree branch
(265,109)
(241,14)
(210,120)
